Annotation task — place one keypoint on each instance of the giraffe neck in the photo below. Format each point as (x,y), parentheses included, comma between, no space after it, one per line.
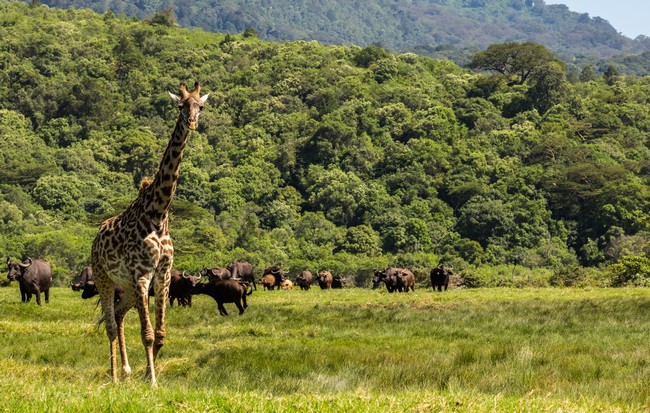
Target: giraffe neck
(161,191)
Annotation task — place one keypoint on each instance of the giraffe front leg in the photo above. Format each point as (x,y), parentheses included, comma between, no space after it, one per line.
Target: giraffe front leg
(146,332)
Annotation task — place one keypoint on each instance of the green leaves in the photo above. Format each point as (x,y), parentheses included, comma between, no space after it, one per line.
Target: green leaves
(516,60)
(307,152)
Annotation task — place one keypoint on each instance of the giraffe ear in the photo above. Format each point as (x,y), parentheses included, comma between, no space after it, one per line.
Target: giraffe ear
(204,98)
(177,99)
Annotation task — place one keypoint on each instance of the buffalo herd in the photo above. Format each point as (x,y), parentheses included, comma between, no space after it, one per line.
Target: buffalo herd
(231,284)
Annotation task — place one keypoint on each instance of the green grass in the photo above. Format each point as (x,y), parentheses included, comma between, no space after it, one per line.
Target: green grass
(352,350)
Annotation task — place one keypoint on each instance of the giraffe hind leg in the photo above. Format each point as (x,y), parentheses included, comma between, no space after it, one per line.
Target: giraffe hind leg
(141,288)
(106,290)
(122,307)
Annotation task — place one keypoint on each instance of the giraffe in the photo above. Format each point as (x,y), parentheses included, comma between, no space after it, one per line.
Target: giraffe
(134,249)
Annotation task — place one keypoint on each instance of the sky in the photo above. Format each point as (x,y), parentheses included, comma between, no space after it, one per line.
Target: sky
(630,17)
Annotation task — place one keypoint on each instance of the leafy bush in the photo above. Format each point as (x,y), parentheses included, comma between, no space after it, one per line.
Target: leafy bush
(630,271)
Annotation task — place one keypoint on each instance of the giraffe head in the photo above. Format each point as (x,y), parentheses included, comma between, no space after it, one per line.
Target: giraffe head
(190,104)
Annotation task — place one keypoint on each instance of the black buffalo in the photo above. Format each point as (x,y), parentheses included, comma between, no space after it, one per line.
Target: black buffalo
(34,276)
(440,277)
(85,283)
(338,281)
(225,291)
(396,279)
(304,280)
(181,287)
(242,270)
(216,273)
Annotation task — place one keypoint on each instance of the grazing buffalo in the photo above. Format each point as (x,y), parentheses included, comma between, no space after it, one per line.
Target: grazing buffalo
(287,284)
(440,277)
(277,273)
(268,282)
(242,270)
(180,288)
(216,273)
(325,279)
(405,280)
(34,276)
(225,291)
(304,280)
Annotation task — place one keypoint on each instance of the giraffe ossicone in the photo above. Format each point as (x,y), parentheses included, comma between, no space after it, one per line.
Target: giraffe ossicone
(134,249)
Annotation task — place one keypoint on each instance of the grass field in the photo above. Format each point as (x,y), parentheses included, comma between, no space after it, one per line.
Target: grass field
(353,350)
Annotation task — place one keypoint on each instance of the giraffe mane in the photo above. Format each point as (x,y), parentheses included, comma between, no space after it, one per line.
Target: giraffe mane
(144,184)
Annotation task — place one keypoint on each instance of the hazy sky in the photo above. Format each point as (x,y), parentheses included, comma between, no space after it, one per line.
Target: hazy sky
(630,17)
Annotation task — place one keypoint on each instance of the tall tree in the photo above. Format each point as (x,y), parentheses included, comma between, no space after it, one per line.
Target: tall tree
(517,60)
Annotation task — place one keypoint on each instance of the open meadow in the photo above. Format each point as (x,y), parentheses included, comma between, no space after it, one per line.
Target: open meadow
(352,350)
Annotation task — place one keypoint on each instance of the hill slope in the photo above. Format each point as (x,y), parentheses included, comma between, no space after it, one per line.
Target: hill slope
(440,28)
(309,155)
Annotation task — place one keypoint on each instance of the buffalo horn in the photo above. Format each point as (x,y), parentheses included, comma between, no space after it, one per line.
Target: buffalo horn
(26,265)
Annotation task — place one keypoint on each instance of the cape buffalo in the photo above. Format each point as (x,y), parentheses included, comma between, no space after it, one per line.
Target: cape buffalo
(393,279)
(405,280)
(268,282)
(225,291)
(338,281)
(242,270)
(180,288)
(34,276)
(304,280)
(277,273)
(325,279)
(85,283)
(216,273)
(440,277)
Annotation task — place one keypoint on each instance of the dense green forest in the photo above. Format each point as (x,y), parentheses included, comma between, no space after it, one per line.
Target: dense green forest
(317,156)
(452,29)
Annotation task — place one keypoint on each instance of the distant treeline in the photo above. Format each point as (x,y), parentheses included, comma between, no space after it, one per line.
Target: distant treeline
(312,156)
(453,29)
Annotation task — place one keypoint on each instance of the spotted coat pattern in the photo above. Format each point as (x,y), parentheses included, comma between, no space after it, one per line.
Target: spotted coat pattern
(134,248)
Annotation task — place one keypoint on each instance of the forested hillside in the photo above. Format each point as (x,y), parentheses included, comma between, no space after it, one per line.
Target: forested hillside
(321,156)
(438,28)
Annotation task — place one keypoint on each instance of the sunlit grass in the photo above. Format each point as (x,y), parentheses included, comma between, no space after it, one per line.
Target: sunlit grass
(353,350)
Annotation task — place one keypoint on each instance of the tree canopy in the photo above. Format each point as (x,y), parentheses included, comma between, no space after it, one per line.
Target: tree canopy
(311,155)
(452,29)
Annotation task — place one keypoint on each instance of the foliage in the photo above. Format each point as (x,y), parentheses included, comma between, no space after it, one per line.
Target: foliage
(347,157)
(631,270)
(451,29)
(519,60)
